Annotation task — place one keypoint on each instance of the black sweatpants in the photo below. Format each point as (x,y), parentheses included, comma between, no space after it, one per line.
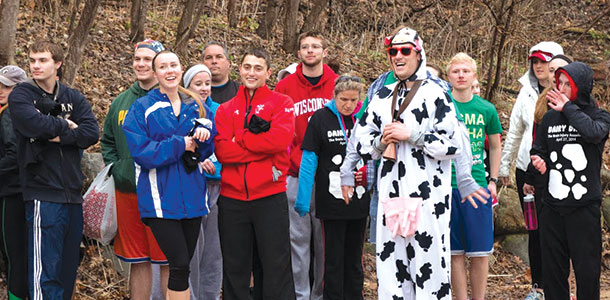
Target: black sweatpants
(241,224)
(575,236)
(14,244)
(177,239)
(533,246)
(343,274)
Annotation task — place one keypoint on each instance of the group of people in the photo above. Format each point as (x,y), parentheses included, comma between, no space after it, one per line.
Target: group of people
(265,194)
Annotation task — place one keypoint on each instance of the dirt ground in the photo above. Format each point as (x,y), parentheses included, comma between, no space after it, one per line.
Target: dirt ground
(508,276)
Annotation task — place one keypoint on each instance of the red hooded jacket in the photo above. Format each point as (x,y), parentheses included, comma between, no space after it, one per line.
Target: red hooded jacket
(307,99)
(254,165)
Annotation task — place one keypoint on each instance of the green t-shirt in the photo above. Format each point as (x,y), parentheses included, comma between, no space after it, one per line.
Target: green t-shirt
(481,118)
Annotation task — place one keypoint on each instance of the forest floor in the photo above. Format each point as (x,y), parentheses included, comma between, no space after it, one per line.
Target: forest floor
(106,72)
(508,276)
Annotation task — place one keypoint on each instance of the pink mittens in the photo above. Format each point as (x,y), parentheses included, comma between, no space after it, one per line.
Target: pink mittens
(401,215)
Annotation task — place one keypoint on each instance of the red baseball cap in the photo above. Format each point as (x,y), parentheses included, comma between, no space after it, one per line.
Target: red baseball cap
(544,56)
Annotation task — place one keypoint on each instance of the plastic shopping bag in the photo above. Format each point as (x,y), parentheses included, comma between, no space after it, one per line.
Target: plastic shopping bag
(99,208)
(401,215)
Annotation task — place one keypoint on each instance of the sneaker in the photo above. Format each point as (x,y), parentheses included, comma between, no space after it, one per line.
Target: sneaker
(534,294)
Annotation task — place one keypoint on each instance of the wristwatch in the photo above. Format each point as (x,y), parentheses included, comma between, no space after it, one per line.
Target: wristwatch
(494,179)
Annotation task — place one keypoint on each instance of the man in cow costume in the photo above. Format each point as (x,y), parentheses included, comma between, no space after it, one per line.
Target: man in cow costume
(424,137)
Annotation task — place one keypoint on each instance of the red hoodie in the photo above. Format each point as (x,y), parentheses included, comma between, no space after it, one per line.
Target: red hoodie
(254,165)
(307,99)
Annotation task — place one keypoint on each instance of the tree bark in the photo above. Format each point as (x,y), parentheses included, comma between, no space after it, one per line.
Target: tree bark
(232,13)
(316,19)
(503,34)
(193,9)
(291,12)
(8,27)
(138,20)
(73,15)
(78,40)
(265,27)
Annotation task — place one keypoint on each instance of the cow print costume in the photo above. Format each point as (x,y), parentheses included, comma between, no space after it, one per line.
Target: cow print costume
(416,267)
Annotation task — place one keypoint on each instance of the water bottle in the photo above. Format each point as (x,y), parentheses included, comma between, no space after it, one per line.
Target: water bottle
(529,212)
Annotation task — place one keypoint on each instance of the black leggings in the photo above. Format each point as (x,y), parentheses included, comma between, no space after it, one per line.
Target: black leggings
(177,239)
(14,244)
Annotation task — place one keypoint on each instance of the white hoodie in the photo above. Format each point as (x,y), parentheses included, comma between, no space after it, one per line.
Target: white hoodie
(522,116)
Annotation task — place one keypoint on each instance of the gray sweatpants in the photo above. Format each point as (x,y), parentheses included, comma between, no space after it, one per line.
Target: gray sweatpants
(206,264)
(302,231)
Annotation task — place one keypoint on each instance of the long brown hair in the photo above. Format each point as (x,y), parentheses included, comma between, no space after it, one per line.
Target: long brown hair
(541,105)
(181,89)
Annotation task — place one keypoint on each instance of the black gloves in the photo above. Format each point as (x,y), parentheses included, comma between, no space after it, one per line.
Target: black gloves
(47,106)
(190,160)
(258,125)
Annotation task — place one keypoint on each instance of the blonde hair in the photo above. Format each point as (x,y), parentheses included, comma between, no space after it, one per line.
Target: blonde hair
(462,57)
(348,82)
(197,98)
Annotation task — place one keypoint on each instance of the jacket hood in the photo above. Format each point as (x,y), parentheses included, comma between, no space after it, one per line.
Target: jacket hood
(548,47)
(410,36)
(327,74)
(31,85)
(582,76)
(137,90)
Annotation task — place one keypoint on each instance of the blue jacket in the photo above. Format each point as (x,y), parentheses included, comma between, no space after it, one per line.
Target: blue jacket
(213,106)
(155,138)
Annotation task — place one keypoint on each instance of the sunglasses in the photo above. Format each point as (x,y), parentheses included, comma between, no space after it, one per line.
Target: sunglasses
(344,78)
(406,51)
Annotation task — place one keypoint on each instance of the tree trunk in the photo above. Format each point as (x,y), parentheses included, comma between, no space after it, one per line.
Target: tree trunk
(499,54)
(232,13)
(78,40)
(9,10)
(265,27)
(290,25)
(138,20)
(73,15)
(316,19)
(193,9)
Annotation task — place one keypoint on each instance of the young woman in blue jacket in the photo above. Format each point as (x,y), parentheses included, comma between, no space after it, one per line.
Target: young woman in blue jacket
(168,135)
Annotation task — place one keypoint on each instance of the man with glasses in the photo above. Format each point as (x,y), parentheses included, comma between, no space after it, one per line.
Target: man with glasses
(412,264)
(310,88)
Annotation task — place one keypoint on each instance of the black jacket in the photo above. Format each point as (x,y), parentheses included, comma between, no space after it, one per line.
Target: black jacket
(572,144)
(51,171)
(9,174)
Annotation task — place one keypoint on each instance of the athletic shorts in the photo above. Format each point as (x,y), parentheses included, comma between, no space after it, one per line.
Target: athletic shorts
(134,242)
(471,228)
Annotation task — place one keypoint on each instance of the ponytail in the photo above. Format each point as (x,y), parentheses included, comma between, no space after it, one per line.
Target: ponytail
(196,97)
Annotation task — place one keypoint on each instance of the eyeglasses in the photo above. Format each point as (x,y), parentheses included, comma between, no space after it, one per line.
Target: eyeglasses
(344,78)
(406,51)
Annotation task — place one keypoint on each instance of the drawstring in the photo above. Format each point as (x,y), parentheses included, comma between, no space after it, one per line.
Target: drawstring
(342,123)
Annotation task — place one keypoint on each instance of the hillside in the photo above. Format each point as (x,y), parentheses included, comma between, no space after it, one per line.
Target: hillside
(355,30)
